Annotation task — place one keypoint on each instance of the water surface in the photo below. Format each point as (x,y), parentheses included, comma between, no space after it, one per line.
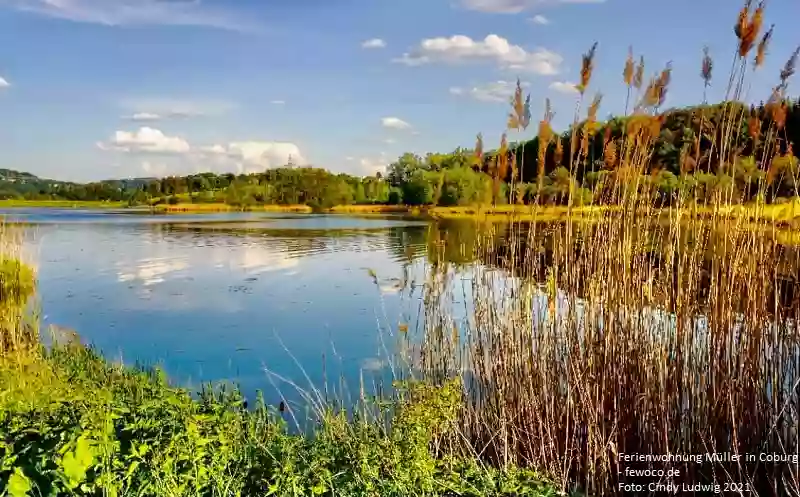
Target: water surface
(226,297)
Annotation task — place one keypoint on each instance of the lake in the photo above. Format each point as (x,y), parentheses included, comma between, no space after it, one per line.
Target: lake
(264,300)
(630,323)
(228,297)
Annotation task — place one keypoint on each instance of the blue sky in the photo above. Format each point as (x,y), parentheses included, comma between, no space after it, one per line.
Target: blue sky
(94,89)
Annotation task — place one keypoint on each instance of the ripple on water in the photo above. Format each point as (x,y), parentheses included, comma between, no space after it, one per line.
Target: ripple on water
(183,291)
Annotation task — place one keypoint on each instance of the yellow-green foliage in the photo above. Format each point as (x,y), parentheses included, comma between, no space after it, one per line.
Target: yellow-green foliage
(17,281)
(71,424)
(17,285)
(63,204)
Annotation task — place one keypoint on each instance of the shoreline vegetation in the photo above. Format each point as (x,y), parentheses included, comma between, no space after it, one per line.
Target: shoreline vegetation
(74,423)
(656,329)
(785,214)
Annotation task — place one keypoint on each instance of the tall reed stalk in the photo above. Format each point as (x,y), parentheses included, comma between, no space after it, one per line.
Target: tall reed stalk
(636,333)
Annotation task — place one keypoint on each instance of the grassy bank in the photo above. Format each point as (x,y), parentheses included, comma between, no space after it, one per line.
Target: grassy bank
(72,423)
(220,207)
(61,204)
(786,214)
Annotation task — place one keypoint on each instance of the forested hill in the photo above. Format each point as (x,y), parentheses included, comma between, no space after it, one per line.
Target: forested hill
(19,184)
(10,174)
(683,161)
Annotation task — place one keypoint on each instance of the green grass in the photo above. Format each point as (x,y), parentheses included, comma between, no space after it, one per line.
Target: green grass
(72,424)
(63,204)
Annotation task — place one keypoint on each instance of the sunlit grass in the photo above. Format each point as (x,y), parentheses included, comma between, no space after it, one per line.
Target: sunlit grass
(221,207)
(62,204)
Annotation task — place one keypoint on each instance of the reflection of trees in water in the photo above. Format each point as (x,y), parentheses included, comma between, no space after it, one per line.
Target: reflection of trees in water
(402,242)
(531,256)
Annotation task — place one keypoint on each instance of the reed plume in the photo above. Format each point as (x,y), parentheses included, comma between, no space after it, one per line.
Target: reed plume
(707,67)
(638,77)
(587,67)
(763,45)
(478,154)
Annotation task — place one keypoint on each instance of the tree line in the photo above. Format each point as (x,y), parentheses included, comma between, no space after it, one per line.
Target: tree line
(683,162)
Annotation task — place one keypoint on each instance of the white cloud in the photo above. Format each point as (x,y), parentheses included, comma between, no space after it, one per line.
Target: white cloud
(278,102)
(135,12)
(374,43)
(145,116)
(369,166)
(493,48)
(178,156)
(158,109)
(157,169)
(515,6)
(146,140)
(394,123)
(263,154)
(540,19)
(4,82)
(214,149)
(497,91)
(564,87)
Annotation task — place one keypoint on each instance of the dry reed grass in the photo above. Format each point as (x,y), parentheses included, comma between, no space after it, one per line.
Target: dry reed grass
(370,209)
(17,285)
(631,335)
(220,207)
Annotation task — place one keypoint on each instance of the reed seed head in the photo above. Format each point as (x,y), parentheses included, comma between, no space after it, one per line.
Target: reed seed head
(638,77)
(559,152)
(519,117)
(656,93)
(742,21)
(526,112)
(479,149)
(663,83)
(789,68)
(587,66)
(708,67)
(545,129)
(630,69)
(761,52)
(594,107)
(779,114)
(502,157)
(591,125)
(748,34)
(609,149)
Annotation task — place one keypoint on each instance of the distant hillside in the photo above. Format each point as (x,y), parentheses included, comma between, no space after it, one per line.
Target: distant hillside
(11,175)
(129,183)
(19,184)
